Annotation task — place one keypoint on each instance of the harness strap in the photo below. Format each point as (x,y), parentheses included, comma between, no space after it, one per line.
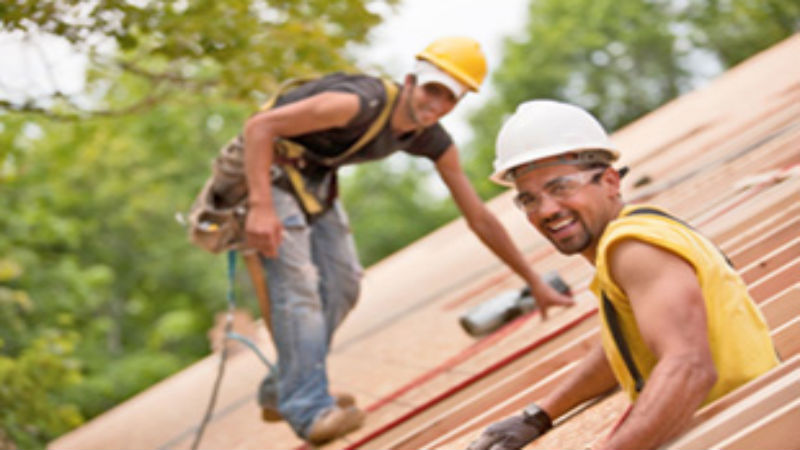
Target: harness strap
(657,212)
(376,126)
(290,152)
(287,85)
(612,319)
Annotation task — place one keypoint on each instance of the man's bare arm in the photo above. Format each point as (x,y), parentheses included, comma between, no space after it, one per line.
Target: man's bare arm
(319,112)
(670,313)
(491,232)
(592,377)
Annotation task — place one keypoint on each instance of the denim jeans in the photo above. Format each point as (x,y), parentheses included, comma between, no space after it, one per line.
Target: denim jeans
(313,283)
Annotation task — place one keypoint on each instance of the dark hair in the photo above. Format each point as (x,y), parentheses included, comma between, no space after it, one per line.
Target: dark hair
(594,165)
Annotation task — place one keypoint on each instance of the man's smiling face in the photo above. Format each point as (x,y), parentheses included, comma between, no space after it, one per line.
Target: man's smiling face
(569,206)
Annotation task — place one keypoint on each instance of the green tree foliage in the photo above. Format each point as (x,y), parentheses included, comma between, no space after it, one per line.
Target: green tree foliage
(621,60)
(734,30)
(98,285)
(100,293)
(238,48)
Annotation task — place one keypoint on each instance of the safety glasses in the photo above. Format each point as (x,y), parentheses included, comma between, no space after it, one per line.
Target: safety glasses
(558,189)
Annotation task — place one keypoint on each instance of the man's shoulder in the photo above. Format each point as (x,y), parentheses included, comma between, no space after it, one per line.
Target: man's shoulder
(642,218)
(644,223)
(363,85)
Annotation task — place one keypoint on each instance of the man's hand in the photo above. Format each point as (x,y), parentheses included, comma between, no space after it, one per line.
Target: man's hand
(546,297)
(264,230)
(509,434)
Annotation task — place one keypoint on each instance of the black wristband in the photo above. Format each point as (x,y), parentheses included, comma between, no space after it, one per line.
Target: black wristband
(537,418)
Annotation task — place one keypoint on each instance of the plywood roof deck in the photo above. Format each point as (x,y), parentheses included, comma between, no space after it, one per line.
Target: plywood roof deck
(427,384)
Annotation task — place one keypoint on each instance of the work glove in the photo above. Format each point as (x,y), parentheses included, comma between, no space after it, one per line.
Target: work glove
(514,432)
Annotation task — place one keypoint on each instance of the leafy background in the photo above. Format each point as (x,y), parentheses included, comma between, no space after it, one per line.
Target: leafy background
(101,295)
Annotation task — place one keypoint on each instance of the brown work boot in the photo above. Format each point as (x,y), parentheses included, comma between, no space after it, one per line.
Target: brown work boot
(344,399)
(334,423)
(270,413)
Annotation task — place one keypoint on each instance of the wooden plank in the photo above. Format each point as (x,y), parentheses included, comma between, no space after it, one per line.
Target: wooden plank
(504,408)
(744,391)
(787,338)
(737,416)
(775,281)
(752,212)
(782,307)
(744,234)
(715,145)
(721,194)
(777,430)
(782,233)
(486,381)
(503,388)
(738,237)
(773,260)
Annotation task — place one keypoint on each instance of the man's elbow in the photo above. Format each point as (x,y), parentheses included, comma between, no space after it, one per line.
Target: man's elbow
(703,374)
(253,126)
(709,376)
(481,221)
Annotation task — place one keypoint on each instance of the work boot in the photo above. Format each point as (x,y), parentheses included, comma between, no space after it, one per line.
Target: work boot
(269,405)
(344,399)
(334,423)
(268,399)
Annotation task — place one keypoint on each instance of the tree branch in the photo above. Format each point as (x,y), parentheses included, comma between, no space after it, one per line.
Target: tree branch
(30,107)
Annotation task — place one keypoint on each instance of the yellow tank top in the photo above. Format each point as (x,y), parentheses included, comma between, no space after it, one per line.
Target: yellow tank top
(739,337)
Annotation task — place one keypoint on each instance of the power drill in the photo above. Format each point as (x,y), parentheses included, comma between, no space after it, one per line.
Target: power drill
(507,306)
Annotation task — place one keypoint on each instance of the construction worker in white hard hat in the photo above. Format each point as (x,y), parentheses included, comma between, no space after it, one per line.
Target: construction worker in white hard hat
(678,327)
(297,224)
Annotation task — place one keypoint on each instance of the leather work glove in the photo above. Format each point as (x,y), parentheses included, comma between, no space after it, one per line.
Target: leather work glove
(514,432)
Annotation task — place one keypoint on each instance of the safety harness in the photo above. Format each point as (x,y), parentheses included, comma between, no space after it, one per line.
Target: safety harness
(216,220)
(293,157)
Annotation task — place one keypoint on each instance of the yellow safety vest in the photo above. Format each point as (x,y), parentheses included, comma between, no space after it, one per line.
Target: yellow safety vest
(739,338)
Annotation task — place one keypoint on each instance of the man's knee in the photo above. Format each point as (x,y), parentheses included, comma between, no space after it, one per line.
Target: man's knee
(351,285)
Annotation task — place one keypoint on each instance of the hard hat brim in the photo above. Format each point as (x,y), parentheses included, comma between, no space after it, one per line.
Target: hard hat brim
(427,72)
(503,175)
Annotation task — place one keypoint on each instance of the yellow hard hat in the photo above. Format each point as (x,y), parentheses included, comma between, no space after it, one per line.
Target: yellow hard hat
(461,57)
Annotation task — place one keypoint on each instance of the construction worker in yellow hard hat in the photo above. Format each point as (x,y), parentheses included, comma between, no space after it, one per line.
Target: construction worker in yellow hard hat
(291,151)
(678,327)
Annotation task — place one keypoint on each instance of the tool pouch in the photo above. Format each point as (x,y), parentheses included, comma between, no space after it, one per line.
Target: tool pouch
(217,217)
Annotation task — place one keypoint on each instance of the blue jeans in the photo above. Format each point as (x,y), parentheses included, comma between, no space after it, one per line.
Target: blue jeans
(313,283)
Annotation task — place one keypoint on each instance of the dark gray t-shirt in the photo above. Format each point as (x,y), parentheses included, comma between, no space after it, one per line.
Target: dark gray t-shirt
(430,142)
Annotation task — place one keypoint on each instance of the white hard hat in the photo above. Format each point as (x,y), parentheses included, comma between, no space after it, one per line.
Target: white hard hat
(427,72)
(546,128)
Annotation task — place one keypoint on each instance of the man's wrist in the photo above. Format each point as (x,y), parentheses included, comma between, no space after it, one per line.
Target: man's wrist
(258,203)
(536,417)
